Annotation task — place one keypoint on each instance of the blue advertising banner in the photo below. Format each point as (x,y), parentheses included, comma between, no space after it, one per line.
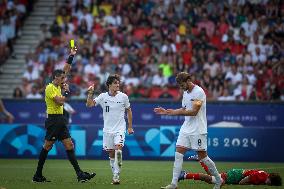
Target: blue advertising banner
(153,143)
(248,115)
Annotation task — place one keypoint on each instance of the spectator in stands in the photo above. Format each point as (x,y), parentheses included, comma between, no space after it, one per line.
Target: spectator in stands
(212,65)
(26,86)
(44,33)
(9,31)
(34,94)
(225,37)
(234,75)
(250,75)
(134,93)
(146,78)
(159,79)
(166,66)
(168,47)
(165,94)
(31,74)
(12,15)
(131,79)
(250,26)
(226,96)
(18,94)
(258,57)
(4,50)
(92,67)
(244,89)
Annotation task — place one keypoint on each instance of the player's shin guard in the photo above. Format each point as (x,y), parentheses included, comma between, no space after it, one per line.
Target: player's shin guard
(213,180)
(117,161)
(177,167)
(212,168)
(111,163)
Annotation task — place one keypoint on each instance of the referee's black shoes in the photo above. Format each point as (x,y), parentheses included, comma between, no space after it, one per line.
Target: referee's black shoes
(85,176)
(40,178)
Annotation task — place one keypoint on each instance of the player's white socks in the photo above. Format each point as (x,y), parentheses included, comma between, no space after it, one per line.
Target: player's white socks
(111,163)
(177,167)
(212,169)
(118,155)
(213,180)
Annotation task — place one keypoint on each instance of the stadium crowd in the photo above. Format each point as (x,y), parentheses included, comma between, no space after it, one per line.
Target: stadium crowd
(233,48)
(12,16)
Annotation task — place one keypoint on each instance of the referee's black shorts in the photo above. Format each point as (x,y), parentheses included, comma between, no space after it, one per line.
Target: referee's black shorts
(56,127)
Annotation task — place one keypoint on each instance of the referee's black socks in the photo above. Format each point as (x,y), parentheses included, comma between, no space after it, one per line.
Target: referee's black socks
(73,160)
(41,161)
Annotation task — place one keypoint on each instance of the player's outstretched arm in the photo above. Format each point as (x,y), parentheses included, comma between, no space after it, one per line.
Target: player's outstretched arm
(184,112)
(160,110)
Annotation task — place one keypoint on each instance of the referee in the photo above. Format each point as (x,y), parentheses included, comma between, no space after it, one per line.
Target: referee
(56,123)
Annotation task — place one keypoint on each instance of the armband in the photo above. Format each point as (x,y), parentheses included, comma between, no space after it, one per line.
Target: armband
(70,59)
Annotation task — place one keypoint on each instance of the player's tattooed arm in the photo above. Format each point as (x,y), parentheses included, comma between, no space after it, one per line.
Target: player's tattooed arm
(196,105)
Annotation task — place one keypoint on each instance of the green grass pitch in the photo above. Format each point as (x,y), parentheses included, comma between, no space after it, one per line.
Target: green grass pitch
(17,174)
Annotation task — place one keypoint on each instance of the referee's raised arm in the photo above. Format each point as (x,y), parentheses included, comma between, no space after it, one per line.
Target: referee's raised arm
(67,66)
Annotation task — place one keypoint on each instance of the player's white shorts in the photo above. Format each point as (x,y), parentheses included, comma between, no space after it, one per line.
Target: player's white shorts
(194,142)
(112,139)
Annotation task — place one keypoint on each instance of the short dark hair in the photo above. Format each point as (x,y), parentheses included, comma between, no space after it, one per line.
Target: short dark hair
(57,73)
(111,79)
(275,179)
(182,77)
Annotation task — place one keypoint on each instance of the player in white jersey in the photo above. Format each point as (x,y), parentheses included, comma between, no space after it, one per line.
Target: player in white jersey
(193,132)
(114,103)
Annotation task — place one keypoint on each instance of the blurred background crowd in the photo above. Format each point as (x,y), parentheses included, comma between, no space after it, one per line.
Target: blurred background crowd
(233,49)
(12,16)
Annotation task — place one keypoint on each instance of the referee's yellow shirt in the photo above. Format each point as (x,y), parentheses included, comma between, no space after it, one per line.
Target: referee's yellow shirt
(51,106)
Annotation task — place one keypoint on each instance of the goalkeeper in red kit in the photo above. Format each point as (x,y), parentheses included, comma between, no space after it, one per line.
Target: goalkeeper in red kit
(236,176)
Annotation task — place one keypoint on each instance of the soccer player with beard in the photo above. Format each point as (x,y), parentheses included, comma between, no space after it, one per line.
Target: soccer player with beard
(193,132)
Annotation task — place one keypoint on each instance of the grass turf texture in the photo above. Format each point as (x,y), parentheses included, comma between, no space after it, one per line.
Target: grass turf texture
(17,174)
